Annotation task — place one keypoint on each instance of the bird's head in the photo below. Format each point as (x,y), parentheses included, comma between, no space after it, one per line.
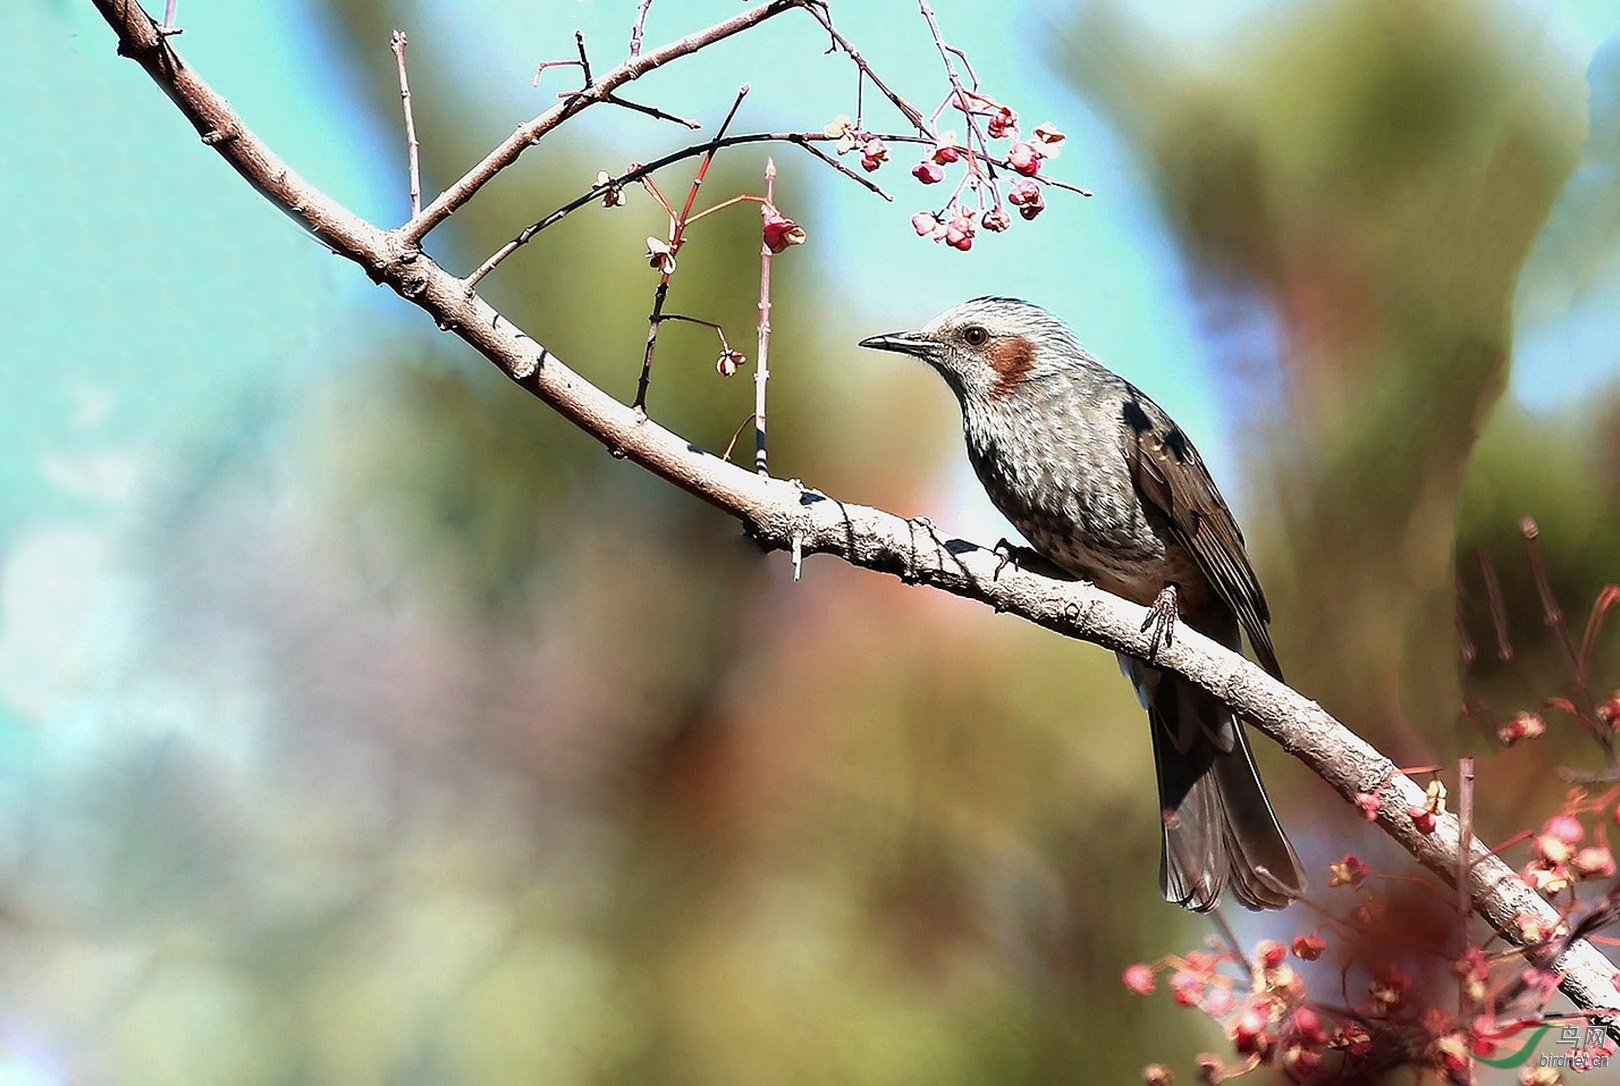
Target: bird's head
(987,348)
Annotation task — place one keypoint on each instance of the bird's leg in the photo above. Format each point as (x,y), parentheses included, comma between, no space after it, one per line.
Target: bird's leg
(1161,617)
(1010,552)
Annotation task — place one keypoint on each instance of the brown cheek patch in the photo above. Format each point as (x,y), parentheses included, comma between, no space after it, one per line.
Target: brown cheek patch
(1011,357)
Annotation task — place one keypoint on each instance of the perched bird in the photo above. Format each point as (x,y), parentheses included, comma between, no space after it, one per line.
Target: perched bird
(1107,488)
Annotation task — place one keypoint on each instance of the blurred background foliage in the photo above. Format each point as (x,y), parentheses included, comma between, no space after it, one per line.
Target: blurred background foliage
(407,737)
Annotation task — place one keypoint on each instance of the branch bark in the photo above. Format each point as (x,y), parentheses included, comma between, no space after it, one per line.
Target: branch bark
(784,515)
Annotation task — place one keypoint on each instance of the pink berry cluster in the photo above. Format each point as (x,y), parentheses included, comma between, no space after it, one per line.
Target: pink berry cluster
(977,201)
(1561,856)
(1410,1013)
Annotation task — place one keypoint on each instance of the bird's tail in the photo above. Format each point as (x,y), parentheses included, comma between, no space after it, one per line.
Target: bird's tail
(1219,828)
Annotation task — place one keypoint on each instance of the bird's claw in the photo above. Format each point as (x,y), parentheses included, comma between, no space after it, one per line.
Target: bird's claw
(1010,553)
(1161,617)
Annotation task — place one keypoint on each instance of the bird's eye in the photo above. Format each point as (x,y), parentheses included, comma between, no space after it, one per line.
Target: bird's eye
(974,336)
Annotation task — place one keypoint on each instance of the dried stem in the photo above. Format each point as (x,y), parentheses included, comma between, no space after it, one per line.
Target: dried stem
(762,372)
(530,132)
(398,43)
(1465,851)
(677,236)
(910,112)
(1493,598)
(636,31)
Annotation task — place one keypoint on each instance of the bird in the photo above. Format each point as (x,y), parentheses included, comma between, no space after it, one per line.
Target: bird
(1107,488)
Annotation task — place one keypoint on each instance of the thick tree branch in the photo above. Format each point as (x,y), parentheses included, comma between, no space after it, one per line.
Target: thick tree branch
(783,515)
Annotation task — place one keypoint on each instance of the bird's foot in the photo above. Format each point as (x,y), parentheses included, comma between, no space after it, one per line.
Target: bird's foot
(1161,617)
(1013,554)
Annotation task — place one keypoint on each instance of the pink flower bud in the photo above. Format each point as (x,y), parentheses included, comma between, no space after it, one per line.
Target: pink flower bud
(780,232)
(1001,121)
(1567,828)
(660,255)
(1369,805)
(925,223)
(1594,862)
(959,232)
(729,363)
(1270,953)
(1422,818)
(1026,197)
(874,154)
(1309,947)
(1023,158)
(1249,1034)
(929,173)
(1139,978)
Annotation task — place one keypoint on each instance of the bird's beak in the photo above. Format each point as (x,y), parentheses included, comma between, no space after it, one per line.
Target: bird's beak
(912,343)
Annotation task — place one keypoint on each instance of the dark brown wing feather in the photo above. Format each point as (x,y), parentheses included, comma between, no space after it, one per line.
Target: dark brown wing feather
(1172,478)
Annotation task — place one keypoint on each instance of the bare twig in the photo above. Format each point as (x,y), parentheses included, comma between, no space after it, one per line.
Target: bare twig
(781,515)
(635,31)
(398,44)
(652,111)
(452,198)
(1493,599)
(1465,852)
(677,237)
(762,372)
(910,112)
(584,58)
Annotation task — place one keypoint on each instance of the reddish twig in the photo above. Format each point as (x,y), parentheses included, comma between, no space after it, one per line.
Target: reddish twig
(1493,599)
(398,44)
(528,133)
(677,237)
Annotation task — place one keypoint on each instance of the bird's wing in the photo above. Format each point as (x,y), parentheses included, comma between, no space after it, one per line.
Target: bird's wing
(1171,477)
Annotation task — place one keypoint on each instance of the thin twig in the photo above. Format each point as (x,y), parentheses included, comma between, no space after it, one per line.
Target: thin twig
(635,31)
(806,140)
(584,59)
(168,15)
(398,43)
(1551,613)
(960,95)
(1493,598)
(651,111)
(732,444)
(762,372)
(451,199)
(910,112)
(1465,851)
(677,236)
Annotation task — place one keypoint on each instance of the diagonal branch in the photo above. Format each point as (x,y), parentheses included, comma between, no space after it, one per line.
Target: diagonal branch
(783,515)
(507,151)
